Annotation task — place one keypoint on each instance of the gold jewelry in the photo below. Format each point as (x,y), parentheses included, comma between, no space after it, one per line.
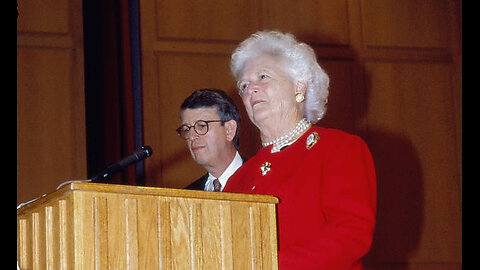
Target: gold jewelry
(299,97)
(265,168)
(312,139)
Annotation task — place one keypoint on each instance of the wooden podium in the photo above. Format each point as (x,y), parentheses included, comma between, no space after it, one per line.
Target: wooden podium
(104,226)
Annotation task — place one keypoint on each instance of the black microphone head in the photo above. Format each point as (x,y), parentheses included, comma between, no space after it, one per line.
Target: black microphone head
(136,156)
(148,150)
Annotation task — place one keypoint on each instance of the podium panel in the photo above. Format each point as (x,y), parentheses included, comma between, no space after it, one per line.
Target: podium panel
(104,226)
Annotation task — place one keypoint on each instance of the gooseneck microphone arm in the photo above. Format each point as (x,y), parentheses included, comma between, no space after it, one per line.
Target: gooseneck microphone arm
(136,156)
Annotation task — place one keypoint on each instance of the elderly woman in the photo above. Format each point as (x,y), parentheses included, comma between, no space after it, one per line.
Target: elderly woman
(324,178)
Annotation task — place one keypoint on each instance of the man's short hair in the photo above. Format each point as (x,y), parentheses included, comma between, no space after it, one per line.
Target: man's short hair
(215,98)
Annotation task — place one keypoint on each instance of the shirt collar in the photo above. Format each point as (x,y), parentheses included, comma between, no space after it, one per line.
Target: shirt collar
(234,165)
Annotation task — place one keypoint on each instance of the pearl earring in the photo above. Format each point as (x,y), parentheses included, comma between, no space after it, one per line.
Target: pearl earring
(299,97)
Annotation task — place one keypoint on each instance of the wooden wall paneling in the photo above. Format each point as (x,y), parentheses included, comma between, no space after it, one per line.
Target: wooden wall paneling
(411,134)
(412,117)
(405,24)
(340,107)
(455,35)
(185,48)
(50,96)
(314,22)
(49,16)
(205,20)
(44,135)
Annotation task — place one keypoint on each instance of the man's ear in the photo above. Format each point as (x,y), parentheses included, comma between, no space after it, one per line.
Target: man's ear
(230,129)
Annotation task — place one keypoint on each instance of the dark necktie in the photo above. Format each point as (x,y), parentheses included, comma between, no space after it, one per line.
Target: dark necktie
(216,185)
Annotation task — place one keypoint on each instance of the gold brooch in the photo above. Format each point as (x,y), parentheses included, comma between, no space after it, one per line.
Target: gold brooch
(265,168)
(312,139)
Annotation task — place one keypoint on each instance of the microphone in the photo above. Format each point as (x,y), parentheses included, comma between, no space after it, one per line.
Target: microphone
(136,156)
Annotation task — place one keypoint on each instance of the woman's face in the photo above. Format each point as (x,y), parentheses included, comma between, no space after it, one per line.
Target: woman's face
(267,91)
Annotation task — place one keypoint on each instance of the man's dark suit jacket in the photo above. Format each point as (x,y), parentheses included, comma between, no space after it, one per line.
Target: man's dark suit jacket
(199,184)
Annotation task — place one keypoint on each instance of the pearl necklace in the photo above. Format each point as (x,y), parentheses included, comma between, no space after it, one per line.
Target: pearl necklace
(288,138)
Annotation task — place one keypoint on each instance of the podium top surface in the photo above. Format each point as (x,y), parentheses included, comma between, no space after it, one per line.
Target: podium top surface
(152,191)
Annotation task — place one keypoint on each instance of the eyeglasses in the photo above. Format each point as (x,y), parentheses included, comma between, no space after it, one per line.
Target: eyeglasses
(200,127)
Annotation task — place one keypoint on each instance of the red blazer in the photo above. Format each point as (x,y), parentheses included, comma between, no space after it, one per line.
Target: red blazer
(326,184)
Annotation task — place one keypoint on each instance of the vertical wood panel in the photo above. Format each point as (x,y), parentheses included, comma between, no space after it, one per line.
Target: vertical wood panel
(180,235)
(24,245)
(84,254)
(268,229)
(341,100)
(164,234)
(241,238)
(65,249)
(226,21)
(50,100)
(196,229)
(117,252)
(315,22)
(271,223)
(131,233)
(148,234)
(226,236)
(38,254)
(409,115)
(37,159)
(100,220)
(50,239)
(391,23)
(255,238)
(47,16)
(212,237)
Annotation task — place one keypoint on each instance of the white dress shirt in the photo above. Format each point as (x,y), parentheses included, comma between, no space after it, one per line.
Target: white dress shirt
(236,163)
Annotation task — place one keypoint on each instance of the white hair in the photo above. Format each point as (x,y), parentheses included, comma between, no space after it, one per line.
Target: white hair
(301,64)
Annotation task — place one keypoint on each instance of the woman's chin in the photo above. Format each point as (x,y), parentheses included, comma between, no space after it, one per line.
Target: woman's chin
(260,118)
